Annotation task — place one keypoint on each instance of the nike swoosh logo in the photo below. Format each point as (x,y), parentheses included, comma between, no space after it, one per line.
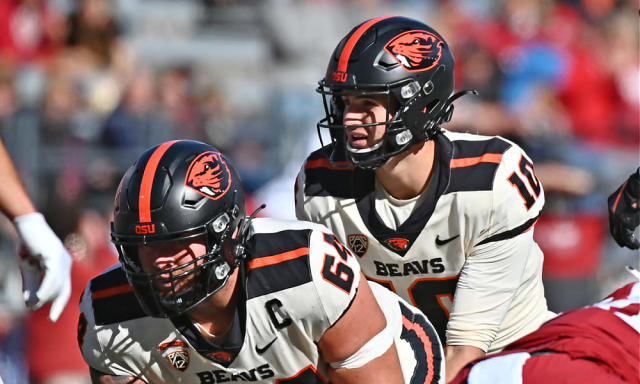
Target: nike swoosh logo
(262,350)
(445,241)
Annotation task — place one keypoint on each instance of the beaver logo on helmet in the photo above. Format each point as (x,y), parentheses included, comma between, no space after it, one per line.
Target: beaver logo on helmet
(416,50)
(209,175)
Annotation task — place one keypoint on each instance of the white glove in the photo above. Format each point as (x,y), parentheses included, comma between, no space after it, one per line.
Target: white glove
(42,253)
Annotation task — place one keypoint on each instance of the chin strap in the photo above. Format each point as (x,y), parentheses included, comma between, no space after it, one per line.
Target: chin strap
(433,125)
(243,231)
(448,108)
(243,234)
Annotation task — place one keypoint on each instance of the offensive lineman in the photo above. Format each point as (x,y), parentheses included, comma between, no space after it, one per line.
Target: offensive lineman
(443,219)
(204,294)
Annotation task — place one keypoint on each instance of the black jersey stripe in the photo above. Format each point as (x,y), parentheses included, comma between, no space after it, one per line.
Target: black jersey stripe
(322,178)
(484,158)
(321,153)
(327,182)
(475,148)
(109,279)
(510,233)
(278,277)
(113,299)
(277,261)
(264,245)
(478,177)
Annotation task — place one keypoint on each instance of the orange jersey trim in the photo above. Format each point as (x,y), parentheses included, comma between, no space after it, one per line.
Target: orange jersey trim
(325,163)
(428,347)
(353,40)
(470,161)
(279,258)
(108,292)
(303,370)
(144,200)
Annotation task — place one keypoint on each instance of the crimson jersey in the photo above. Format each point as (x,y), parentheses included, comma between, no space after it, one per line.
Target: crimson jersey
(603,338)
(463,251)
(296,282)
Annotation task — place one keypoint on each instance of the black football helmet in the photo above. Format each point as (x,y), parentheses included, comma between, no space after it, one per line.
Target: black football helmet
(407,61)
(176,191)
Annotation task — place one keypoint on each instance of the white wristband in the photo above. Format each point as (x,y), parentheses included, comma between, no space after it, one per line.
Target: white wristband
(30,223)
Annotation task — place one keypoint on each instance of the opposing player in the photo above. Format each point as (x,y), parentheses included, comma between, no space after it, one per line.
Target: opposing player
(595,344)
(206,295)
(443,219)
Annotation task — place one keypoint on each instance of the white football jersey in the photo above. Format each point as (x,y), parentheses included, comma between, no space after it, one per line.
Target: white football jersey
(465,255)
(297,281)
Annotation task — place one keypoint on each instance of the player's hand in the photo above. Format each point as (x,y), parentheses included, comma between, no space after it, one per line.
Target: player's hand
(45,265)
(624,213)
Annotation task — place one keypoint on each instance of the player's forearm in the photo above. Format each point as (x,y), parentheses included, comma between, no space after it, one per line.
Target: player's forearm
(457,356)
(14,200)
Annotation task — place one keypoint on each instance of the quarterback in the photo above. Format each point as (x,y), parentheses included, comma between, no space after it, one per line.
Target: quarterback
(443,219)
(204,294)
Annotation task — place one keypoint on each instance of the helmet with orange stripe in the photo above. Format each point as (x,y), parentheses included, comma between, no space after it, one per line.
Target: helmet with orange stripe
(402,61)
(177,193)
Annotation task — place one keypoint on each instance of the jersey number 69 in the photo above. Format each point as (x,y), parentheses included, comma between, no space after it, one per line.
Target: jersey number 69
(334,270)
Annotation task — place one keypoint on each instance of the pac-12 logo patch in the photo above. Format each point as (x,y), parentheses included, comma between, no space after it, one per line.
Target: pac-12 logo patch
(209,175)
(416,50)
(176,353)
(358,243)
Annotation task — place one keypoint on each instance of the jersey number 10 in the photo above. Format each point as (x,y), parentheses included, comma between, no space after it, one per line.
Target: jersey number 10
(529,195)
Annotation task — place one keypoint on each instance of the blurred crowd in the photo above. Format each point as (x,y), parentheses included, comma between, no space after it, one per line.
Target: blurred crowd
(86,85)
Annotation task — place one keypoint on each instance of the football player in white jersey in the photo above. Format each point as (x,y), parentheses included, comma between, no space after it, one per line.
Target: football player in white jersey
(443,219)
(594,344)
(205,295)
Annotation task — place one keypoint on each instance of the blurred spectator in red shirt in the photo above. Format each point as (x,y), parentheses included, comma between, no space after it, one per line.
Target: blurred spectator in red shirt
(30,31)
